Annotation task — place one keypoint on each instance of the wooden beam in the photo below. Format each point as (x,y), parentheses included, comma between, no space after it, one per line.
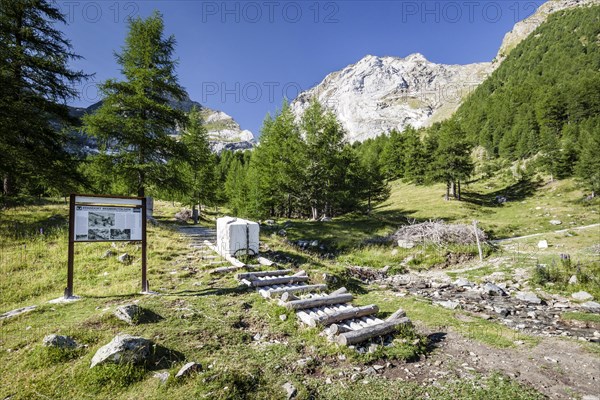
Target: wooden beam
(319,301)
(294,289)
(257,274)
(357,336)
(349,313)
(278,281)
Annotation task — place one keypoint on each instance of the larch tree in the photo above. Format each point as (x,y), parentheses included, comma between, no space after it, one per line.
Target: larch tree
(35,84)
(136,120)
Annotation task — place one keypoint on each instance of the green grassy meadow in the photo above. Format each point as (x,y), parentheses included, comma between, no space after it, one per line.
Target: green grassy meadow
(212,321)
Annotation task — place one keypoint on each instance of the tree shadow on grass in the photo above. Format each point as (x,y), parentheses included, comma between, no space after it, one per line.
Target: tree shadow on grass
(516,192)
(233,291)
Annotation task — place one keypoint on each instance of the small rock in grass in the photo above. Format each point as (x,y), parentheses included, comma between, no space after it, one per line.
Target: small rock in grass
(290,390)
(543,244)
(462,282)
(528,297)
(582,296)
(449,304)
(283,317)
(573,280)
(555,222)
(109,253)
(188,369)
(494,290)
(60,341)
(125,258)
(123,349)
(591,306)
(129,313)
(162,376)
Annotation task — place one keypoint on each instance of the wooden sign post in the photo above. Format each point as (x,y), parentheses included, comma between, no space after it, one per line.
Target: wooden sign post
(100,218)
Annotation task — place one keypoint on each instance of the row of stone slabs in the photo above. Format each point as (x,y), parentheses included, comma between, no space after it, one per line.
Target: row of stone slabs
(341,321)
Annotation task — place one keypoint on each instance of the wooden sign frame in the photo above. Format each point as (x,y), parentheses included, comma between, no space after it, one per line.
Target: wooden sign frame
(103,200)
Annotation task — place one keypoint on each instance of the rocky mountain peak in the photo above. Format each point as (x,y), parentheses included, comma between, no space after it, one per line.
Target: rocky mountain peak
(378,94)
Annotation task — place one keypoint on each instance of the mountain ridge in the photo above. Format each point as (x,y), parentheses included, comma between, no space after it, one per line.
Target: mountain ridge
(378,94)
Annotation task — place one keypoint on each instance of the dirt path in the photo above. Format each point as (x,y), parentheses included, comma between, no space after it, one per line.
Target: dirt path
(560,369)
(577,228)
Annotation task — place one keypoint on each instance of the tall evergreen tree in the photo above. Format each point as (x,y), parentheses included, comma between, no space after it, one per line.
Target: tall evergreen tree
(35,83)
(393,155)
(452,162)
(324,144)
(199,165)
(588,166)
(416,157)
(136,118)
(279,160)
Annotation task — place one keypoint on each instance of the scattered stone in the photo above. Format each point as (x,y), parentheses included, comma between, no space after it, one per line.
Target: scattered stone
(60,341)
(282,232)
(592,306)
(501,199)
(590,397)
(269,222)
(283,317)
(503,312)
(109,253)
(552,360)
(129,313)
(314,243)
(406,244)
(16,312)
(394,252)
(449,304)
(370,371)
(555,222)
(290,390)
(125,258)
(543,244)
(188,369)
(162,376)
(582,296)
(304,361)
(573,280)
(494,290)
(123,348)
(183,215)
(462,282)
(326,219)
(373,348)
(529,297)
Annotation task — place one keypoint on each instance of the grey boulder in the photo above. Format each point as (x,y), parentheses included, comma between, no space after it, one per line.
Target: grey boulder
(582,296)
(129,313)
(591,306)
(188,369)
(60,341)
(123,349)
(494,290)
(528,297)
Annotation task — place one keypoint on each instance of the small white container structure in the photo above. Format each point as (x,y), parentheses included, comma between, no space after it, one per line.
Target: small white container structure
(237,237)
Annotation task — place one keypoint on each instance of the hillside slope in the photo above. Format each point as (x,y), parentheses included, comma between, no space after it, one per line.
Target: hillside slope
(544,92)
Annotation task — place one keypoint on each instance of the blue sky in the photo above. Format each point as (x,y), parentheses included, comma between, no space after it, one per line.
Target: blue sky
(244,57)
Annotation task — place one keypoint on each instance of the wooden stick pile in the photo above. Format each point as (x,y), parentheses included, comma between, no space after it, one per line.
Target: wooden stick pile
(439,233)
